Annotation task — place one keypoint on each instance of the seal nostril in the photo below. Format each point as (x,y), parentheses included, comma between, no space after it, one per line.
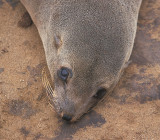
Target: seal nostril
(66,117)
(100,93)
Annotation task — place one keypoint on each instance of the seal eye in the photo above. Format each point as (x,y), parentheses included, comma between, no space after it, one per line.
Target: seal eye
(64,73)
(100,93)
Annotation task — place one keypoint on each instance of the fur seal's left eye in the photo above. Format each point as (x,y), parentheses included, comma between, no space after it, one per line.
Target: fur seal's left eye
(63,73)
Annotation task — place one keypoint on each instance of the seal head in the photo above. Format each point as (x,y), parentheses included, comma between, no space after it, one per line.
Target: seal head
(87,45)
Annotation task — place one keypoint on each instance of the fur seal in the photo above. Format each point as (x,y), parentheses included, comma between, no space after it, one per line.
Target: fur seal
(87,46)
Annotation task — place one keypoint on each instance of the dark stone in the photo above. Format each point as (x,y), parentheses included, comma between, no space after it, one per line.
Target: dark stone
(1,70)
(21,108)
(68,129)
(3,51)
(24,131)
(25,21)
(12,3)
(39,135)
(1,3)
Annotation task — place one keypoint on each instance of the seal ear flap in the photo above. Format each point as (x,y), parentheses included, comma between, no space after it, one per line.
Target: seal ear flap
(57,41)
(100,93)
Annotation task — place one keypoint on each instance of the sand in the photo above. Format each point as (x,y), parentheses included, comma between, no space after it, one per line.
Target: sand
(132,112)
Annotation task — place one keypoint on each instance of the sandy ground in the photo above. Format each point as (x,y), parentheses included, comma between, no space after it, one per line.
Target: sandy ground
(132,112)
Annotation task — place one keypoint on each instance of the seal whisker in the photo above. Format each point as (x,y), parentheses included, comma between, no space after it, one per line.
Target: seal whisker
(49,86)
(45,80)
(49,90)
(46,83)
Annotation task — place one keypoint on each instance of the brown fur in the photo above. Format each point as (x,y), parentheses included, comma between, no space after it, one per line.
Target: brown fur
(94,38)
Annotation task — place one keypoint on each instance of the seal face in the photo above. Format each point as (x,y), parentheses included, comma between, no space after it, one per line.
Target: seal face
(87,45)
